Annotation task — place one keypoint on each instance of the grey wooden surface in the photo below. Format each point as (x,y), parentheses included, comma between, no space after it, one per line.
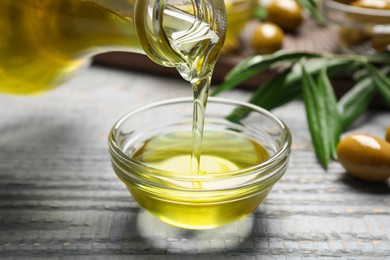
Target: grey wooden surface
(59,198)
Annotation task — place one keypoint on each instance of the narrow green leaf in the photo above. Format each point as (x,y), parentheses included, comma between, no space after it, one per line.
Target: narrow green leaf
(312,7)
(381,82)
(264,97)
(360,74)
(286,86)
(260,13)
(316,117)
(260,63)
(270,92)
(333,117)
(287,89)
(379,57)
(337,67)
(353,103)
(256,64)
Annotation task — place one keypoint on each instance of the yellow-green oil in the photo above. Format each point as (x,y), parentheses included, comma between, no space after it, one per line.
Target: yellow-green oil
(43,43)
(181,203)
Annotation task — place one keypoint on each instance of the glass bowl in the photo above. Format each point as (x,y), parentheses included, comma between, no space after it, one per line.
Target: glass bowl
(236,172)
(361,30)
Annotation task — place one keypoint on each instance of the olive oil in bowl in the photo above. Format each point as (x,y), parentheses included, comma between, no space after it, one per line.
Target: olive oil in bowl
(223,153)
(240,162)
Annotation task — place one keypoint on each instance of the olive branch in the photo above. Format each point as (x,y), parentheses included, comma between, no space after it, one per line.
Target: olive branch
(308,75)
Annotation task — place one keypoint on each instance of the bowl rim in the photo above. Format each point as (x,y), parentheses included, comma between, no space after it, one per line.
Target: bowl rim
(281,153)
(354,9)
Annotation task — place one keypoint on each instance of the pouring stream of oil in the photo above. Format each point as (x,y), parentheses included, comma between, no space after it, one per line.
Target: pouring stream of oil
(196,42)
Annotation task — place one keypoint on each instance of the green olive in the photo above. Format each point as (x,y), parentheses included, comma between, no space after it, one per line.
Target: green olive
(267,38)
(380,42)
(352,36)
(285,13)
(365,157)
(372,4)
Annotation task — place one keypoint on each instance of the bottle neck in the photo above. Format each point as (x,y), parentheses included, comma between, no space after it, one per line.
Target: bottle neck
(167,29)
(148,20)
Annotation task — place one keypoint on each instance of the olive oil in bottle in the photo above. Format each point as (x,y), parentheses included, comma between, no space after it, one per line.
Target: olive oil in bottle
(43,43)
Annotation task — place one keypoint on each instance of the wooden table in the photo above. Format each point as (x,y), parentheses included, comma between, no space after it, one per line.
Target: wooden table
(59,197)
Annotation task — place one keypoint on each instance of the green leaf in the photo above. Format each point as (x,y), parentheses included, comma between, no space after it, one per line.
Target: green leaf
(260,63)
(286,86)
(312,7)
(353,103)
(379,57)
(333,117)
(270,92)
(381,82)
(337,67)
(260,13)
(360,74)
(256,64)
(316,117)
(266,96)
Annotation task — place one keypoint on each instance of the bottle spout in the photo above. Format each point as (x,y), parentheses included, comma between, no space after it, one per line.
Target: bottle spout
(174,30)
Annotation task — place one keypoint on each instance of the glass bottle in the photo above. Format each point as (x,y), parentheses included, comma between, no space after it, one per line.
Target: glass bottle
(44,42)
